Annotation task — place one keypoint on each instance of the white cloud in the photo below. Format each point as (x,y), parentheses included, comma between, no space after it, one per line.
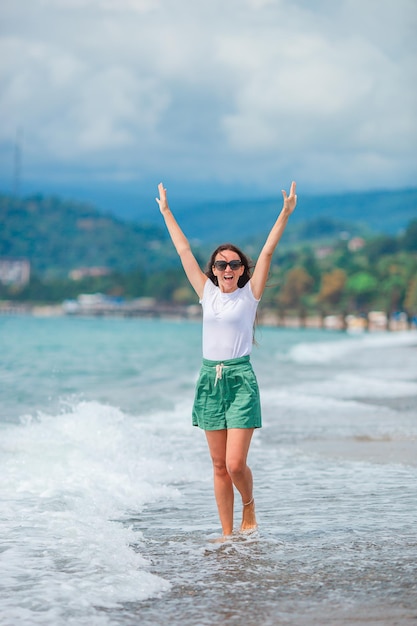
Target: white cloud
(215,91)
(131,6)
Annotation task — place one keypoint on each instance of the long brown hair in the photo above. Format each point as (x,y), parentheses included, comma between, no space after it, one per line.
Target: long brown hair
(247,264)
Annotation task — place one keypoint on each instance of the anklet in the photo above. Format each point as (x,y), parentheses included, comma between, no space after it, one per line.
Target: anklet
(248,503)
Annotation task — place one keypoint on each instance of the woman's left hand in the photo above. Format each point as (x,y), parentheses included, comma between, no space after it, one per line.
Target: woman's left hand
(291,200)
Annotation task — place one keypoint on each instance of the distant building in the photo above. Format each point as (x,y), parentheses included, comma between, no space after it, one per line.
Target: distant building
(85,272)
(356,243)
(323,251)
(14,271)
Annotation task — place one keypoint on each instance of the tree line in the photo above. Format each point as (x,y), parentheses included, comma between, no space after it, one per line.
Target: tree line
(380,274)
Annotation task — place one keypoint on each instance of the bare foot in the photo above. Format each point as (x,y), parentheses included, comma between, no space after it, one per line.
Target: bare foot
(248,517)
(221,539)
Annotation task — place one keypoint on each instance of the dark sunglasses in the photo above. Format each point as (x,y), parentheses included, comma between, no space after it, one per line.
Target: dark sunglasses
(221,265)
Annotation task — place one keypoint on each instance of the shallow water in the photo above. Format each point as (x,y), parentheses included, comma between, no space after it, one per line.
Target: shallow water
(107,511)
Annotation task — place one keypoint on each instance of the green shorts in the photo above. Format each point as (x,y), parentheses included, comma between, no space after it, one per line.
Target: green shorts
(227,395)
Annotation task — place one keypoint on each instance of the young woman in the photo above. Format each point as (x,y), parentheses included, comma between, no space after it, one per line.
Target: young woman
(226,404)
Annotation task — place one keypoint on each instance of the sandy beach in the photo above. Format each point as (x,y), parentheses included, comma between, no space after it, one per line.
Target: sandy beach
(365,450)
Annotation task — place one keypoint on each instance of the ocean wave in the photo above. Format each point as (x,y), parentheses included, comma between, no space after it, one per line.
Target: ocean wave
(330,351)
(69,480)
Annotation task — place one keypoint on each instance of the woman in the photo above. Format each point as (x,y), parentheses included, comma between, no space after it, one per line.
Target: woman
(227,403)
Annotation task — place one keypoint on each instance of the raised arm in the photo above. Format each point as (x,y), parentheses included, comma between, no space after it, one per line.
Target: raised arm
(263,264)
(192,269)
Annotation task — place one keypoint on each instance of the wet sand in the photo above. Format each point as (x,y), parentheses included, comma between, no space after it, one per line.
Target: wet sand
(383,449)
(364,449)
(360,616)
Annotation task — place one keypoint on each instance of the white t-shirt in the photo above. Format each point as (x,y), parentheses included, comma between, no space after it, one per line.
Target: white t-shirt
(228,320)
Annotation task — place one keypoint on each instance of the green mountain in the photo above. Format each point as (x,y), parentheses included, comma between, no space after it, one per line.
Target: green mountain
(386,212)
(59,235)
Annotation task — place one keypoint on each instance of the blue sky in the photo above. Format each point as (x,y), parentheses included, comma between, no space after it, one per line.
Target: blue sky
(240,96)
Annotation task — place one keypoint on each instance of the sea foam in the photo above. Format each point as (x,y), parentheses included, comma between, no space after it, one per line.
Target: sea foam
(331,351)
(68,482)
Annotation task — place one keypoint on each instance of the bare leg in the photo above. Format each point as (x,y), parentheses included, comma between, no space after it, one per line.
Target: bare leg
(229,451)
(238,442)
(223,486)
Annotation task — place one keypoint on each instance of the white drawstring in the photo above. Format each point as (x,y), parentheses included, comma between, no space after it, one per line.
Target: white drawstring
(219,372)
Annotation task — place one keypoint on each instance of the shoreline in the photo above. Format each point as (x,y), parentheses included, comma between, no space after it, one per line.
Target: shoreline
(378,450)
(144,308)
(377,614)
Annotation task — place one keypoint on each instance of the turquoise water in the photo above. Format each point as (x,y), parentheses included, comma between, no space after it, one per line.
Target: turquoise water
(107,511)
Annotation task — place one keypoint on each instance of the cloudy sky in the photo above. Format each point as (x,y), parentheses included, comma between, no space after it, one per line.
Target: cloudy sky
(209,94)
